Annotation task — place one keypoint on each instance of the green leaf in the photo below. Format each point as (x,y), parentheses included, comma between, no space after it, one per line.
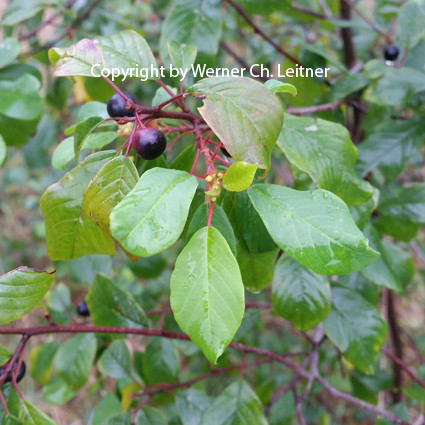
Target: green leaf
(244,115)
(32,416)
(347,85)
(121,51)
(397,86)
(20,291)
(207,293)
(195,22)
(185,159)
(69,231)
(5,355)
(160,362)
(63,154)
(356,327)
(57,391)
(324,151)
(107,408)
(9,50)
(315,227)
(402,210)
(249,224)
(107,188)
(59,304)
(256,268)
(219,221)
(21,10)
(3,151)
(182,55)
(190,405)
(237,405)
(41,365)
(115,361)
(239,176)
(112,305)
(300,295)
(152,215)
(74,360)
(82,131)
(394,269)
(390,145)
(150,416)
(20,99)
(276,86)
(410,22)
(263,7)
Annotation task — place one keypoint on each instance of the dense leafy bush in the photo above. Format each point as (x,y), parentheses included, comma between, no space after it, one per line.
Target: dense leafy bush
(216,244)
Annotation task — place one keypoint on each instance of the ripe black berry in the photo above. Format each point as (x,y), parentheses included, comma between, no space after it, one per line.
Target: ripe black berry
(116,106)
(21,372)
(149,143)
(83,309)
(391,52)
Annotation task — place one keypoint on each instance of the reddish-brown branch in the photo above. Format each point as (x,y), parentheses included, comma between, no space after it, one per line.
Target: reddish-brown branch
(45,23)
(316,108)
(261,33)
(399,363)
(397,345)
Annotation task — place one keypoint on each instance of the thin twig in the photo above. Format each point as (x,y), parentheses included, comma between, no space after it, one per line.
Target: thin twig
(316,108)
(261,33)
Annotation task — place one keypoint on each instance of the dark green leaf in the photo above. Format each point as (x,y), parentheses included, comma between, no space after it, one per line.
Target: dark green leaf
(390,145)
(356,327)
(402,210)
(219,221)
(394,269)
(256,268)
(315,227)
(112,305)
(196,22)
(237,405)
(20,99)
(74,360)
(411,19)
(324,151)
(115,361)
(300,295)
(160,362)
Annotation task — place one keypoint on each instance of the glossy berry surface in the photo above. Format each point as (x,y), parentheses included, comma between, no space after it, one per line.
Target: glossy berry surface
(83,309)
(391,52)
(149,143)
(21,372)
(116,106)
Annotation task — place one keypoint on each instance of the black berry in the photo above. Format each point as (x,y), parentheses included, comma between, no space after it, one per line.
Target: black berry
(21,372)
(83,309)
(116,106)
(391,52)
(149,143)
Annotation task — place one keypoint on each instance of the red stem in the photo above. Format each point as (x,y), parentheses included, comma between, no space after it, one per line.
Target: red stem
(210,213)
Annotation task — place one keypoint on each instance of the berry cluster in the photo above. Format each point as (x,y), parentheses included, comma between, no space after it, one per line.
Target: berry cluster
(148,143)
